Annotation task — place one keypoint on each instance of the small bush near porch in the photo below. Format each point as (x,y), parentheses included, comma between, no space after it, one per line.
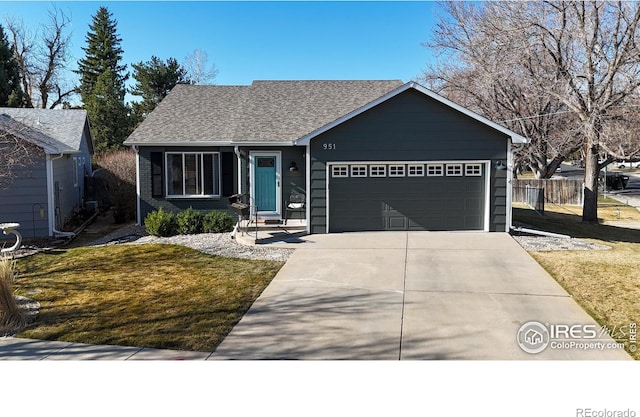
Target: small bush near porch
(187,222)
(156,296)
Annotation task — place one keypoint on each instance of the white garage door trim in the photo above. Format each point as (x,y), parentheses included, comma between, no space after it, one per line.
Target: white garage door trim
(487,179)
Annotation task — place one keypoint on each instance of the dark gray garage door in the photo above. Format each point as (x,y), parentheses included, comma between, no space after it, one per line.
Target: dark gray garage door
(443,196)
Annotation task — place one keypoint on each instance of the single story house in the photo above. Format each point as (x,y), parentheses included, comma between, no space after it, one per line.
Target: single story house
(44,195)
(365,155)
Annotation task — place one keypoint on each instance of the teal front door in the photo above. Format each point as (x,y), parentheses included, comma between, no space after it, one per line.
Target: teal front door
(266,183)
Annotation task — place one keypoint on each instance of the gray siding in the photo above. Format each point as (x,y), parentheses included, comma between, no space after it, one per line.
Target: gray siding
(408,127)
(23,201)
(175,205)
(84,161)
(68,191)
(290,180)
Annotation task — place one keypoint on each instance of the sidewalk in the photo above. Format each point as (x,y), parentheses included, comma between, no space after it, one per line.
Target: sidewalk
(31,349)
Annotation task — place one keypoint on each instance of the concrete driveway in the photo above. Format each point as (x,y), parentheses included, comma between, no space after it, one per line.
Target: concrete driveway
(407,295)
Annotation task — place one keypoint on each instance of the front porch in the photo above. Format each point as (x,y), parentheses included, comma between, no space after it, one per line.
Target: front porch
(253,232)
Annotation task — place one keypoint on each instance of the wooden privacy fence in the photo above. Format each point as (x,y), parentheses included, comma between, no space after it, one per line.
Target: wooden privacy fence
(560,191)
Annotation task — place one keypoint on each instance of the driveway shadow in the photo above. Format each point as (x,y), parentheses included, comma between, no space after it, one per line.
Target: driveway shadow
(573,226)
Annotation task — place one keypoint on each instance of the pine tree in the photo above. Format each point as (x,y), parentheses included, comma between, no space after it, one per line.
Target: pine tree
(154,79)
(102,83)
(11,94)
(103,51)
(110,121)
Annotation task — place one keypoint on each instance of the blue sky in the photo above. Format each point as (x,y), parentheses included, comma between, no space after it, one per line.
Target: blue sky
(261,40)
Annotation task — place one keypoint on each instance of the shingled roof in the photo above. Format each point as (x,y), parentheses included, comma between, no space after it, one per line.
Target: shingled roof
(56,131)
(265,111)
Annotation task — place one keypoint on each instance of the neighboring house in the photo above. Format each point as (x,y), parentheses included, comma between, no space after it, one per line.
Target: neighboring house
(367,155)
(46,194)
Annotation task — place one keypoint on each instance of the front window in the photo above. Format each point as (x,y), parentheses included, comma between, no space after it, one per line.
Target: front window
(193,174)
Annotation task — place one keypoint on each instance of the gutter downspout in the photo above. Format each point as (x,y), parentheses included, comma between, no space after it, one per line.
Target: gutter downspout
(307,181)
(236,150)
(138,211)
(50,199)
(511,150)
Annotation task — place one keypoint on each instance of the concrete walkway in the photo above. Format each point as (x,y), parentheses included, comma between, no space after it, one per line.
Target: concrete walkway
(406,295)
(382,296)
(30,349)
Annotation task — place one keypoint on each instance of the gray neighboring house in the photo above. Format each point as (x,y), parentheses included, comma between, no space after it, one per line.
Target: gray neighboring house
(365,155)
(47,194)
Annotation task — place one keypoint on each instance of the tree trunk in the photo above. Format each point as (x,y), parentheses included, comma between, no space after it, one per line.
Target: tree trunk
(591,173)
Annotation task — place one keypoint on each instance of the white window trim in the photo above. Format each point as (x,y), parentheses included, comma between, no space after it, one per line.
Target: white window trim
(439,173)
(473,170)
(355,170)
(454,170)
(373,171)
(201,179)
(418,168)
(400,171)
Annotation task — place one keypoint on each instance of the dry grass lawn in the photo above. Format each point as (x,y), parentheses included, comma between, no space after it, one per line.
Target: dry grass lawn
(606,283)
(157,296)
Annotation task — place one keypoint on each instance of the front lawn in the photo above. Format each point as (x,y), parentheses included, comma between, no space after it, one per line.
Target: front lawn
(606,283)
(156,296)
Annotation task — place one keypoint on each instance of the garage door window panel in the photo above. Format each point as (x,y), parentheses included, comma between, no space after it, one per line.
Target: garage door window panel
(396,170)
(416,170)
(378,171)
(340,171)
(435,170)
(358,170)
(473,170)
(454,170)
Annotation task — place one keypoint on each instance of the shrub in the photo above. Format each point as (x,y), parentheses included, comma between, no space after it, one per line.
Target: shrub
(189,222)
(217,222)
(120,177)
(161,223)
(10,315)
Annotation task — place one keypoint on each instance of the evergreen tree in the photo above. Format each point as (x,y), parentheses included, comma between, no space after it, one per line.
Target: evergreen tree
(11,94)
(110,121)
(103,51)
(102,83)
(154,79)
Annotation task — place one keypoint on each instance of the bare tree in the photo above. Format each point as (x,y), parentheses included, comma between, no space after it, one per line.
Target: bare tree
(584,55)
(508,100)
(43,59)
(17,155)
(23,41)
(197,70)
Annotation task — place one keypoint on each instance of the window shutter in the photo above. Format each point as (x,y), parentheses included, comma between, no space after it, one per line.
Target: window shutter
(227,172)
(157,190)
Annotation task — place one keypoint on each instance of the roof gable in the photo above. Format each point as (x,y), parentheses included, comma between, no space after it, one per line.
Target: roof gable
(515,138)
(56,131)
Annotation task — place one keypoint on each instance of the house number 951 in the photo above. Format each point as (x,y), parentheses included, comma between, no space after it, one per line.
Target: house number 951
(329,146)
